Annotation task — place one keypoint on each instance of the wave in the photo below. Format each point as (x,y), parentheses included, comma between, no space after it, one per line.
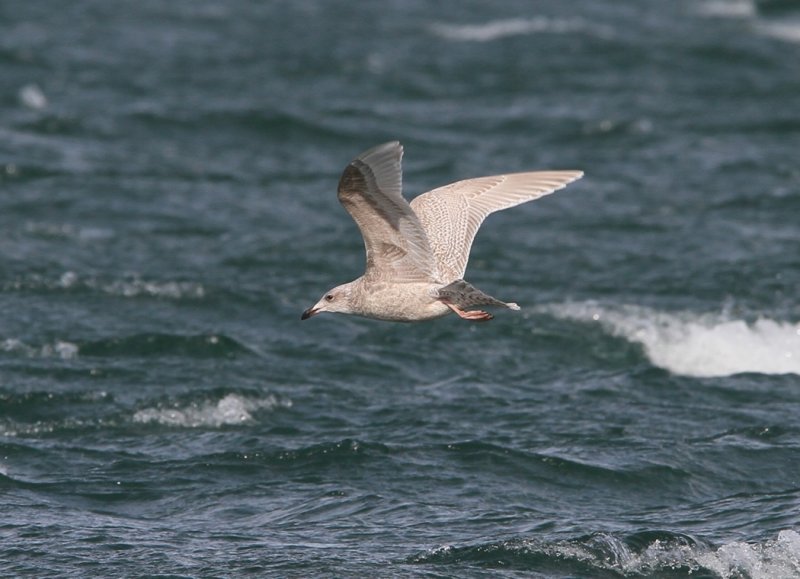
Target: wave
(138,345)
(231,409)
(569,472)
(41,412)
(129,287)
(157,344)
(497,29)
(777,7)
(727,8)
(58,349)
(696,345)
(648,553)
(289,121)
(777,19)
(786,30)
(308,461)
(45,412)
(32,97)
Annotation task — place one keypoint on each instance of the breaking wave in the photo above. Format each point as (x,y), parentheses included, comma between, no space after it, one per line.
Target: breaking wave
(33,414)
(691,344)
(648,554)
(497,29)
(777,19)
(231,409)
(727,8)
(58,349)
(786,30)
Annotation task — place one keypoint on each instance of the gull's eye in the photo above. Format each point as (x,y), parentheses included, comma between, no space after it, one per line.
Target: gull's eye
(329,297)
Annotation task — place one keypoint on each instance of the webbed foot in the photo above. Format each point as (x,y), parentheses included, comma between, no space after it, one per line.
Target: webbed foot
(472,315)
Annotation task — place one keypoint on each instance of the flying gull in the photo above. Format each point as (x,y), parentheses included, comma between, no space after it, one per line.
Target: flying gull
(417,252)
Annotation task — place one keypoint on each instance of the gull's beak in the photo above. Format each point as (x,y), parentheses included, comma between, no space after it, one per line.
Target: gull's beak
(309,312)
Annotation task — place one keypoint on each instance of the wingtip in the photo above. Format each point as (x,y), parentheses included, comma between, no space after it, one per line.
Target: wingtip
(382,149)
(569,176)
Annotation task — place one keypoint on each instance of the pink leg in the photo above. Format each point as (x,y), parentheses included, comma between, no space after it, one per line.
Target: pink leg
(474,315)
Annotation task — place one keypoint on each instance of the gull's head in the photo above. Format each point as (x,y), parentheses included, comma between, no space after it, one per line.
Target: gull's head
(335,300)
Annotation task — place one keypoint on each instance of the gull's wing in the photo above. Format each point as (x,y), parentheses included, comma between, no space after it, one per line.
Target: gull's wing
(396,244)
(451,215)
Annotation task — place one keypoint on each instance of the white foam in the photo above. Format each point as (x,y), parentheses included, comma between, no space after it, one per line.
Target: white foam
(65,350)
(497,29)
(139,287)
(232,409)
(728,8)
(697,345)
(60,349)
(135,287)
(774,558)
(32,97)
(131,287)
(785,27)
(786,30)
(770,559)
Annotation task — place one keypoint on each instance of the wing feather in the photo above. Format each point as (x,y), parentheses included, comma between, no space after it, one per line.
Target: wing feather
(396,244)
(451,215)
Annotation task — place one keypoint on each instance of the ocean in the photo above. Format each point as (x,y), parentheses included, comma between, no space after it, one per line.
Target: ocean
(168,209)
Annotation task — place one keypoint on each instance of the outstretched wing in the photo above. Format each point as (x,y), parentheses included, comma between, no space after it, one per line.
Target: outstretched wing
(451,215)
(396,244)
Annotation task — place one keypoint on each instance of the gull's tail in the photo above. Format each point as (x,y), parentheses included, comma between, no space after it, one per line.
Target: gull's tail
(465,295)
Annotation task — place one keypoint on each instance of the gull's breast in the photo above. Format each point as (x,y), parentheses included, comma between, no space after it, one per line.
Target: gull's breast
(399,302)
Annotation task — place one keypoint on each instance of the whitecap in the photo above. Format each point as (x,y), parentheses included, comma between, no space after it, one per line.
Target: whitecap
(32,97)
(778,557)
(136,286)
(232,409)
(497,29)
(787,30)
(129,287)
(727,8)
(693,344)
(59,349)
(774,558)
(65,350)
(784,26)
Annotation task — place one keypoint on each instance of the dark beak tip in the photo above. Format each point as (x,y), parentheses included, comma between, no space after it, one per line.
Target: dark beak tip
(308,313)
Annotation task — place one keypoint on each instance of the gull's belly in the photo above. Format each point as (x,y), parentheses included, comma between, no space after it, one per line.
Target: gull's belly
(406,302)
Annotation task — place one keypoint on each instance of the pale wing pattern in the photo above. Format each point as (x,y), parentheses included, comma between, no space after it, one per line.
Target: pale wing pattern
(396,244)
(451,215)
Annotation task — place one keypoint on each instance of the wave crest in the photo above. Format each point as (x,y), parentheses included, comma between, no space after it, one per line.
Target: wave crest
(649,553)
(496,29)
(231,409)
(59,349)
(697,345)
(128,287)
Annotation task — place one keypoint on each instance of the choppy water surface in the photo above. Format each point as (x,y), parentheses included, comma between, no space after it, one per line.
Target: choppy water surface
(168,209)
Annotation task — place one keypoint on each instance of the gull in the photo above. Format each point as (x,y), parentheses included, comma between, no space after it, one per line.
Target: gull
(417,252)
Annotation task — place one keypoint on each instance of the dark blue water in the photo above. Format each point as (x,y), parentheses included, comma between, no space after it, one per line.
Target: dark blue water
(168,209)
